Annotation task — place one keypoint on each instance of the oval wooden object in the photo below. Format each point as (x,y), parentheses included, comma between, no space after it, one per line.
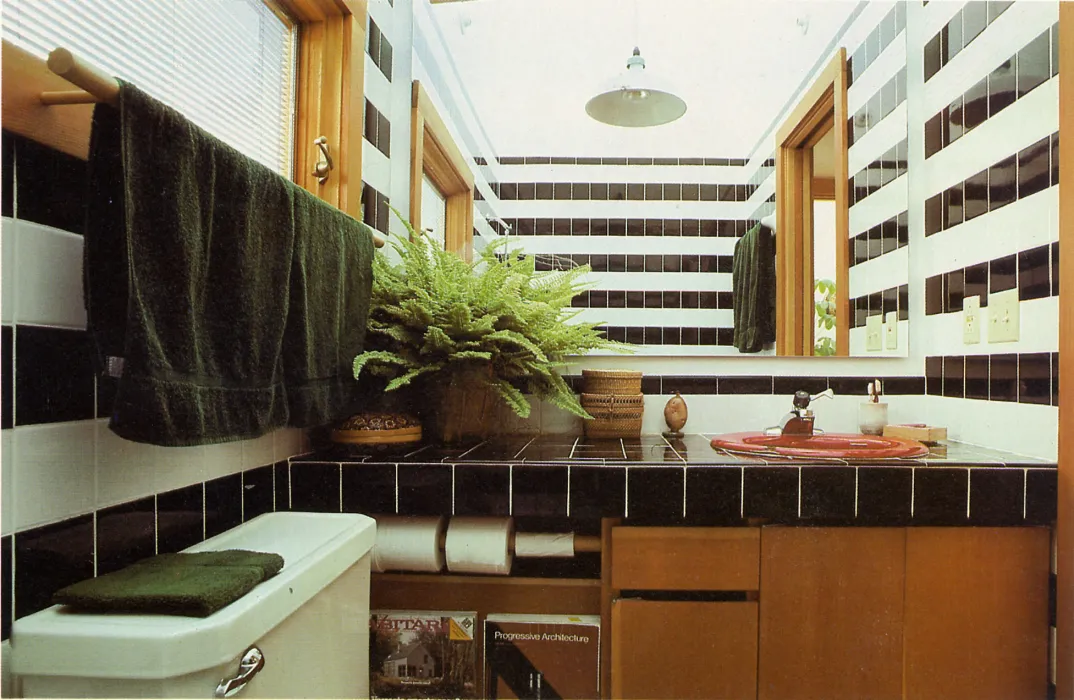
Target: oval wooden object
(675,413)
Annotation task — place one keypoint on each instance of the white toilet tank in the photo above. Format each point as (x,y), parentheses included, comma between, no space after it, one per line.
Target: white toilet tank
(310,623)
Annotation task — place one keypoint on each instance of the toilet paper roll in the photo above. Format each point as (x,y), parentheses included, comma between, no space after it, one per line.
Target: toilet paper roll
(533,544)
(479,545)
(409,544)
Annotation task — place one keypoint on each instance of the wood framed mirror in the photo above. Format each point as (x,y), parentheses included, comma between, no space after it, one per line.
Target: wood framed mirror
(820,116)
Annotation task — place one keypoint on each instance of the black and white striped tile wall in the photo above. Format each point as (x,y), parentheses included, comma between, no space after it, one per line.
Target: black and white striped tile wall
(77,500)
(659,234)
(986,119)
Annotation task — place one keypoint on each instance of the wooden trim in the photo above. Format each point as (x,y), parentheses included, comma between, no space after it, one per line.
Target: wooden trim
(607,594)
(823,107)
(1065,521)
(686,559)
(824,188)
(435,154)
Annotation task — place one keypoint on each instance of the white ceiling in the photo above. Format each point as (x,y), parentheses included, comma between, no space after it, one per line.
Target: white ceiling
(531,65)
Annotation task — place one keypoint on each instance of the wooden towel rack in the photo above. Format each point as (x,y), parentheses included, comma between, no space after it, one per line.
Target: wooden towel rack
(97,86)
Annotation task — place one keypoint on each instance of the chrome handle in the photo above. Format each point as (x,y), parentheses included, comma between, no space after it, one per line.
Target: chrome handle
(323,166)
(250,663)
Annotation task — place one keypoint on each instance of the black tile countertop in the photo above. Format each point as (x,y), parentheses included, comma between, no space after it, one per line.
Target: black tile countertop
(654,480)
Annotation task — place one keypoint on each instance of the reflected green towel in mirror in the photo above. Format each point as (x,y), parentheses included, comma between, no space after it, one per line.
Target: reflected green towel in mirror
(754,289)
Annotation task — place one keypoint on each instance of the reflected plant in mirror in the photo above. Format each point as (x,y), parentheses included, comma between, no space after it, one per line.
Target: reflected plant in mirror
(824,306)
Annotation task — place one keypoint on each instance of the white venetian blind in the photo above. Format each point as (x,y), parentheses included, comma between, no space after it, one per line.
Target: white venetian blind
(228,65)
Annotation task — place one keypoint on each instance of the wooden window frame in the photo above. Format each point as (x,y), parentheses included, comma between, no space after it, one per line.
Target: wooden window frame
(433,153)
(823,107)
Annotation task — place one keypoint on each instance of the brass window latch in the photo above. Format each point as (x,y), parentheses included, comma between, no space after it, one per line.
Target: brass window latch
(323,166)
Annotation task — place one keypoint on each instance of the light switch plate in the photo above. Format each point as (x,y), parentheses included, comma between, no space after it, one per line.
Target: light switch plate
(1003,317)
(874,333)
(971,320)
(891,330)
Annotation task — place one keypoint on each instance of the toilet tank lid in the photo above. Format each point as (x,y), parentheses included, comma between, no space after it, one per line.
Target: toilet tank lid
(316,547)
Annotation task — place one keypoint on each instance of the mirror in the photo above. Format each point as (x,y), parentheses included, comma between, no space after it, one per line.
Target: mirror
(657,212)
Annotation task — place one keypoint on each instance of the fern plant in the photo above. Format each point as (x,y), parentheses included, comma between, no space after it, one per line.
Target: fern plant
(434,318)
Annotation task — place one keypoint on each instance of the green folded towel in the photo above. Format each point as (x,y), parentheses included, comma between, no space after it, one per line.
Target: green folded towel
(753,275)
(194,584)
(234,300)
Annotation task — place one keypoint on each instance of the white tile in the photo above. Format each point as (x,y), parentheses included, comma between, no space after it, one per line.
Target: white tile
(658,282)
(622,245)
(878,140)
(7,486)
(1021,428)
(125,469)
(941,334)
(879,72)
(222,459)
(557,421)
(378,89)
(7,271)
(259,451)
(703,174)
(660,317)
(49,276)
(878,274)
(625,209)
(9,685)
(53,472)
(176,467)
(376,169)
(287,442)
(890,200)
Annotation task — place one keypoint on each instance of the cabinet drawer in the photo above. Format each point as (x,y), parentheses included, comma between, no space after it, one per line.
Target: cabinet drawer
(683,650)
(686,558)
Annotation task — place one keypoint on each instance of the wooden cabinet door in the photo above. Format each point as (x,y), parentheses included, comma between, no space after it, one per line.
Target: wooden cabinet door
(976,613)
(683,649)
(831,613)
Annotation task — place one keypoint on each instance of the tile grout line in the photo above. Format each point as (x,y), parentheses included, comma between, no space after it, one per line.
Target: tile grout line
(856,491)
(397,488)
(568,490)
(969,476)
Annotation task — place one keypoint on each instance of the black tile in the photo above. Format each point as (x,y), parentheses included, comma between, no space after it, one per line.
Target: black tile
(7,597)
(788,385)
(481,490)
(904,386)
(424,489)
(770,492)
(708,300)
(974,20)
(996,8)
(934,296)
(850,386)
(953,37)
(671,300)
(1034,270)
(691,227)
(672,263)
(977,282)
(126,533)
(384,135)
(1001,87)
(691,336)
(386,58)
(996,496)
(1055,159)
(725,300)
(369,488)
(54,375)
(1042,495)
(954,288)
(7,385)
(654,227)
(281,477)
(1002,183)
(954,126)
(1002,274)
(635,335)
(709,336)
(654,192)
(544,190)
(975,105)
(654,493)
(934,214)
(1055,268)
(257,492)
(977,383)
(7,183)
(580,191)
(314,487)
(904,302)
(52,186)
(579,227)
(598,227)
(223,503)
(954,375)
(725,336)
(934,376)
(934,135)
(1034,67)
(49,558)
(1003,377)
(539,491)
(1055,378)
(713,495)
(1035,378)
(828,493)
(745,385)
(527,191)
(180,519)
(654,263)
(617,191)
(975,191)
(617,299)
(508,191)
(940,496)
(688,385)
(1033,168)
(932,57)
(884,495)
(635,191)
(691,192)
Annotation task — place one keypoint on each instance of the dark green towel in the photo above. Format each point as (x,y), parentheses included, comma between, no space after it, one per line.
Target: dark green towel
(194,584)
(754,285)
(235,299)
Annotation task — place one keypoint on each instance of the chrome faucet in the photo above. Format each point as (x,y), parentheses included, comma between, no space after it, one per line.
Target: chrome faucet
(800,419)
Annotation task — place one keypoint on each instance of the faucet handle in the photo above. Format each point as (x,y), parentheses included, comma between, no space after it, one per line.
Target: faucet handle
(826,394)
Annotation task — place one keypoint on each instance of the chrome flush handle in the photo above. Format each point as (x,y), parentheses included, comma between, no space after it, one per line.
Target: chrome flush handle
(323,166)
(252,662)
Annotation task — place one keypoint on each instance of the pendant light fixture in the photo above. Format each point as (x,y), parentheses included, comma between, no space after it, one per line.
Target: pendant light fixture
(636,98)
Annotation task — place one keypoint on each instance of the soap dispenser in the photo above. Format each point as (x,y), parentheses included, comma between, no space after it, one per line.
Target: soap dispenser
(873,414)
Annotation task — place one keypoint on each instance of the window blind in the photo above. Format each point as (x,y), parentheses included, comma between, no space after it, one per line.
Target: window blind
(228,65)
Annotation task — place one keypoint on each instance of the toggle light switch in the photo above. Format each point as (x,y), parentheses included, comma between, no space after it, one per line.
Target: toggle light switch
(1003,317)
(971,320)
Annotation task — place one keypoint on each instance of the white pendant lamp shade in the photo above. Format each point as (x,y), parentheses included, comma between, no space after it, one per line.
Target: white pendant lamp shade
(636,98)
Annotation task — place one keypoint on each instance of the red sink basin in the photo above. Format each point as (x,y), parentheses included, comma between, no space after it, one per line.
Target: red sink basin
(832,445)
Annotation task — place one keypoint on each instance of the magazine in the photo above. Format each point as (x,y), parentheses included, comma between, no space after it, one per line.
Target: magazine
(422,654)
